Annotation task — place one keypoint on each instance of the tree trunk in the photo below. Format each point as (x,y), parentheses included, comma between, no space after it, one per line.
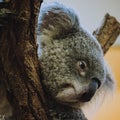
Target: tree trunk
(19,66)
(19,61)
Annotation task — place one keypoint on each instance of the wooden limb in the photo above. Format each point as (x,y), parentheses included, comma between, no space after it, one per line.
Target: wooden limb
(19,61)
(108,32)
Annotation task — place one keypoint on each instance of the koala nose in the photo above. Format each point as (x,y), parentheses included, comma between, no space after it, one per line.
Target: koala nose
(89,93)
(94,79)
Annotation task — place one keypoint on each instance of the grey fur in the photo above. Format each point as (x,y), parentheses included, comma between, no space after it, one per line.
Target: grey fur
(62,43)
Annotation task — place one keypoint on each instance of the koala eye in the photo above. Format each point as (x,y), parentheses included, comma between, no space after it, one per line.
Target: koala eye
(82,67)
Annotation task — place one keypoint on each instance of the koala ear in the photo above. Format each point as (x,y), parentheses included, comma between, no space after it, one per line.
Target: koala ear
(56,21)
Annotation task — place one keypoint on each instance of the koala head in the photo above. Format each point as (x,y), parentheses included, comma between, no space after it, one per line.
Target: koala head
(72,60)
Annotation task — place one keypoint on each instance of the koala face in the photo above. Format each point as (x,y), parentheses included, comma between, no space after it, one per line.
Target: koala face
(73,68)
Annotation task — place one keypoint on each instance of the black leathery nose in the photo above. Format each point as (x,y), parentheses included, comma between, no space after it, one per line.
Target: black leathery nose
(89,93)
(94,79)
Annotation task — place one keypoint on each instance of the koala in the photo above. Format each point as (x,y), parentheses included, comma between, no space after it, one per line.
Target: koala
(74,71)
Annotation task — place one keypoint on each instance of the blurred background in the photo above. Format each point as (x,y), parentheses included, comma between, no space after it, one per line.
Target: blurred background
(91,13)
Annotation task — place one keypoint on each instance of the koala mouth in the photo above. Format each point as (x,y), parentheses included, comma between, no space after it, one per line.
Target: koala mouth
(70,95)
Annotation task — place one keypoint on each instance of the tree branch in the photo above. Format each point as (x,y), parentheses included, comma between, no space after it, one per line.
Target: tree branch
(108,32)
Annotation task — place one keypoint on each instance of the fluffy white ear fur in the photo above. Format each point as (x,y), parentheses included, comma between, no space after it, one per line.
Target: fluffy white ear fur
(61,22)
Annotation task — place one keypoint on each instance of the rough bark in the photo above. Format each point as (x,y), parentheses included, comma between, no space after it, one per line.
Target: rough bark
(108,32)
(19,62)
